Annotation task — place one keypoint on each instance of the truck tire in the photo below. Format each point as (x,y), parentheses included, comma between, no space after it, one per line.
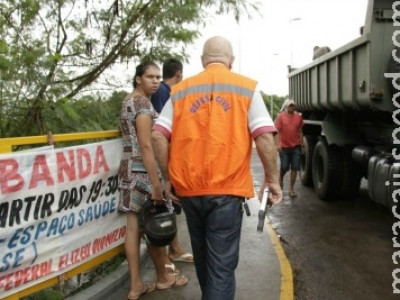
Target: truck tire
(326,170)
(350,177)
(306,160)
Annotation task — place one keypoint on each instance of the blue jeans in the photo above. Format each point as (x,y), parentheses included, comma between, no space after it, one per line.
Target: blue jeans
(290,158)
(214,224)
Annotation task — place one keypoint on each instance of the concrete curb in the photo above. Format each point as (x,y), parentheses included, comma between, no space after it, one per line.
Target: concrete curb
(287,285)
(108,284)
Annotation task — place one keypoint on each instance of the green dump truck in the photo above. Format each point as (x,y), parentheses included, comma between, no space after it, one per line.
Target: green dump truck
(347,98)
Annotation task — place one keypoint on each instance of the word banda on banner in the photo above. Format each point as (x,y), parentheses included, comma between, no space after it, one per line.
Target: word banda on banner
(79,165)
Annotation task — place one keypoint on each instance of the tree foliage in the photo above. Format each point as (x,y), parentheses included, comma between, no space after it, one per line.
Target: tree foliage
(95,114)
(275,101)
(51,51)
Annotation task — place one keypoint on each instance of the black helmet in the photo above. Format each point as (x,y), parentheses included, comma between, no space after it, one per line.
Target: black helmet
(158,224)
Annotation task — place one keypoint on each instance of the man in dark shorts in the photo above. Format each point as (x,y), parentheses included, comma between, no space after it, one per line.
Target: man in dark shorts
(289,124)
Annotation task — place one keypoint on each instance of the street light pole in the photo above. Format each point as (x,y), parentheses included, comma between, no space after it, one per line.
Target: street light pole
(291,51)
(271,97)
(272,107)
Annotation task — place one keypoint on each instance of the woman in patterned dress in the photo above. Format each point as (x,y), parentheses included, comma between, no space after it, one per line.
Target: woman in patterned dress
(140,178)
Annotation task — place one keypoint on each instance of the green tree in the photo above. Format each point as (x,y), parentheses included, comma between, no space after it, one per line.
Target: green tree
(95,113)
(53,50)
(276,101)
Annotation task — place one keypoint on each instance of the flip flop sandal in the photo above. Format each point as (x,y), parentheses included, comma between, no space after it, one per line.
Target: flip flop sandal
(150,287)
(185,257)
(180,280)
(172,269)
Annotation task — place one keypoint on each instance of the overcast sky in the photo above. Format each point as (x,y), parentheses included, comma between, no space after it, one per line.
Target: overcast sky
(284,35)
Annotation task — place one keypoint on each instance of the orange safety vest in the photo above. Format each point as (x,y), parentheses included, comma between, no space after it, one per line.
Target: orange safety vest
(211,144)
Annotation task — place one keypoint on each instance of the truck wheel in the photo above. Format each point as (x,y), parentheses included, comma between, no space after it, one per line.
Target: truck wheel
(306,160)
(350,178)
(326,169)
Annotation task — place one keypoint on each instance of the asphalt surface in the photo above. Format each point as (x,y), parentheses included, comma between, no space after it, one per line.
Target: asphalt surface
(338,250)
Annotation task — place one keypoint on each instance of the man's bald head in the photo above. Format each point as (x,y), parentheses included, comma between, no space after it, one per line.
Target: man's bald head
(217,50)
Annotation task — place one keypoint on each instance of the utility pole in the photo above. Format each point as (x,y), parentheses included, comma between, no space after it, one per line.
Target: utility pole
(271,98)
(291,46)
(272,107)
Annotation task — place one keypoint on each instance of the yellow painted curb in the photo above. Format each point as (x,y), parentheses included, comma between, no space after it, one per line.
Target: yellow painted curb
(287,292)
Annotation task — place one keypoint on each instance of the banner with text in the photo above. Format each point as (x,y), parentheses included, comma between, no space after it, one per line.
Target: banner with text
(58,209)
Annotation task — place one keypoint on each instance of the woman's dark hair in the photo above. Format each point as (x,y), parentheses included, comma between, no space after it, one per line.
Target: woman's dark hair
(141,68)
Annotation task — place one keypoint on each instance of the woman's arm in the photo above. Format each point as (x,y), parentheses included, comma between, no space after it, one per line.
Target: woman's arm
(143,131)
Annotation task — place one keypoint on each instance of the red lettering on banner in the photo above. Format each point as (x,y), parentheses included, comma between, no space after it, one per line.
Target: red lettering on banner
(79,165)
(64,166)
(63,261)
(10,180)
(8,285)
(100,161)
(21,276)
(84,164)
(35,272)
(108,239)
(85,251)
(12,280)
(83,168)
(74,256)
(40,171)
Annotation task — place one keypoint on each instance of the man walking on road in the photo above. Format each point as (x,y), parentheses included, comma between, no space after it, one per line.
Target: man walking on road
(202,142)
(289,140)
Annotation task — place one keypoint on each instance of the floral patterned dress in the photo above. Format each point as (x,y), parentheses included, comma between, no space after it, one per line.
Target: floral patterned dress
(134,183)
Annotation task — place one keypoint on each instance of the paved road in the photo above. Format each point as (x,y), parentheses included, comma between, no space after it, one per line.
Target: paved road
(338,250)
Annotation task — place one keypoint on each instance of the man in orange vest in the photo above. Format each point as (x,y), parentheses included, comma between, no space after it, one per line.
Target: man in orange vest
(203,143)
